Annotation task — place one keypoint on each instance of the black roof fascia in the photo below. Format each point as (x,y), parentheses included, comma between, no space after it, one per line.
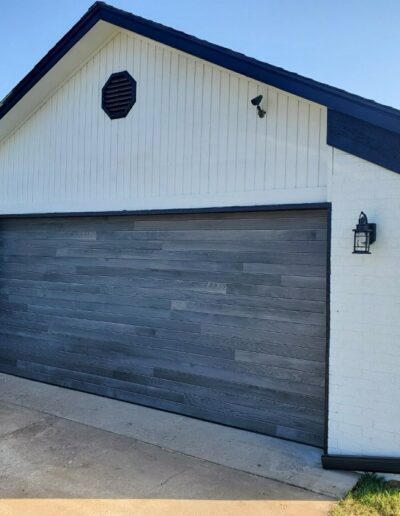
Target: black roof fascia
(91,17)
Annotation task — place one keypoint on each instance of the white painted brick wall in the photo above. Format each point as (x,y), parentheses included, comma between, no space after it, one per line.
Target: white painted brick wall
(364,394)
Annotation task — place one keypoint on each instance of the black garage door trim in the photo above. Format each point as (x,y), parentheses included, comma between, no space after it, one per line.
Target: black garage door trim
(172,211)
(319,206)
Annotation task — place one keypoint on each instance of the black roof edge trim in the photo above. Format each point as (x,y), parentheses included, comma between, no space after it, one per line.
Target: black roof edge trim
(334,98)
(82,27)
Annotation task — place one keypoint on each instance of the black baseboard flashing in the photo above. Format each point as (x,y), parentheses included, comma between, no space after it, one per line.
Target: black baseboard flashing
(361,463)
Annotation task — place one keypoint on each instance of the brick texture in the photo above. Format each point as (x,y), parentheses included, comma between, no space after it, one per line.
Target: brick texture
(364,395)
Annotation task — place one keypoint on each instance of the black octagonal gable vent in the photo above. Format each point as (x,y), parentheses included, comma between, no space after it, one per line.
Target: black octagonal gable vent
(118,95)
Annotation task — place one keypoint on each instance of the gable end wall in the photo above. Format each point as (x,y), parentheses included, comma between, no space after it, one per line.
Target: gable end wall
(193,139)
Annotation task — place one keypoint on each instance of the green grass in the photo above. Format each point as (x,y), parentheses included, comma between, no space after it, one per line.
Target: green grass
(371,496)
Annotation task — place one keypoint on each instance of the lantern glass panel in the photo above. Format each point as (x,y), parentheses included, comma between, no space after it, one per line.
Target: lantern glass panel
(361,241)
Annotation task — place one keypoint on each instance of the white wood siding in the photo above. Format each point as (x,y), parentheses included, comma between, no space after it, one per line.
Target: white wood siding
(192,139)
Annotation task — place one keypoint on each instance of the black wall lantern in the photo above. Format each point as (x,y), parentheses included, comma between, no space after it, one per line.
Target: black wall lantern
(364,235)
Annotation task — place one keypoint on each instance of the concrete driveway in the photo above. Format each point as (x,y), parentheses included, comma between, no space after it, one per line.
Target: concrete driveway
(52,465)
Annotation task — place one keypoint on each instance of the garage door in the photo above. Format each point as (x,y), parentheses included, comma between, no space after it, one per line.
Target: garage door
(217,316)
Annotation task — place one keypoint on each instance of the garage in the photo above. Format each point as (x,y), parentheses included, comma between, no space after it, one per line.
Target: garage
(191,229)
(219,316)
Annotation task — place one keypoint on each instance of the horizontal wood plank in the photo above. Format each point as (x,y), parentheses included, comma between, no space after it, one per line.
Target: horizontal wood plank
(217,316)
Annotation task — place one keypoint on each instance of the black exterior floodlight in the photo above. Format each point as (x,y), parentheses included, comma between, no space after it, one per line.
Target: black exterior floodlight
(256,102)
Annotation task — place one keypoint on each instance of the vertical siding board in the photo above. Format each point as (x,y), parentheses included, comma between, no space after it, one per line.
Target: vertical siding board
(142,116)
(133,132)
(30,167)
(4,170)
(100,167)
(79,187)
(4,173)
(72,142)
(26,168)
(241,153)
(72,158)
(157,114)
(205,129)
(213,165)
(197,127)
(171,164)
(114,125)
(74,107)
(149,140)
(9,169)
(291,142)
(123,142)
(3,177)
(232,133)
(45,131)
(15,162)
(85,167)
(192,134)
(57,164)
(23,174)
(3,164)
(270,146)
(164,121)
(35,158)
(260,144)
(302,145)
(121,150)
(189,123)
(252,127)
(108,128)
(41,146)
(223,128)
(19,186)
(122,157)
(281,141)
(94,126)
(324,150)
(180,125)
(19,145)
(14,168)
(313,146)
(25,171)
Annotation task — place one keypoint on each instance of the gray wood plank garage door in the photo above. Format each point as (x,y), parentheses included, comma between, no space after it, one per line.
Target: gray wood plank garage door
(217,316)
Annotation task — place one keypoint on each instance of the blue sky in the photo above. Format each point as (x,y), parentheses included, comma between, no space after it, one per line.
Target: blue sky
(351,44)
